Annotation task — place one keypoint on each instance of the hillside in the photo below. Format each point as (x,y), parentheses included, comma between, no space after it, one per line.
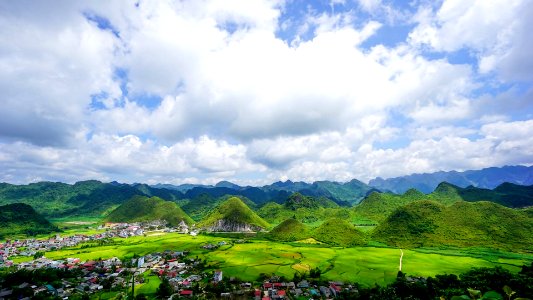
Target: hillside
(200,206)
(488,178)
(233,216)
(462,224)
(19,218)
(305,209)
(338,232)
(351,192)
(142,208)
(297,200)
(289,230)
(377,206)
(84,198)
(344,194)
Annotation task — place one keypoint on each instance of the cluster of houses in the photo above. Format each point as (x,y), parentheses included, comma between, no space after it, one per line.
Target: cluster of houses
(95,275)
(274,289)
(29,247)
(184,275)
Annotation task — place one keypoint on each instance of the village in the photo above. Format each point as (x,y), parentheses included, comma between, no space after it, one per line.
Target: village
(187,277)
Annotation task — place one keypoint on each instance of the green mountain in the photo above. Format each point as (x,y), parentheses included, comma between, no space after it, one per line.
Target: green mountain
(338,232)
(142,208)
(462,224)
(297,200)
(200,206)
(377,206)
(305,209)
(233,216)
(289,230)
(84,198)
(20,218)
(351,192)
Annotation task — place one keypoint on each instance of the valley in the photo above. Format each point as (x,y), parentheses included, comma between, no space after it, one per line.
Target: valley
(285,232)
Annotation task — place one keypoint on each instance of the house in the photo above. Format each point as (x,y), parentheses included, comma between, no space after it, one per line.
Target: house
(281,294)
(186,293)
(325,291)
(303,284)
(218,276)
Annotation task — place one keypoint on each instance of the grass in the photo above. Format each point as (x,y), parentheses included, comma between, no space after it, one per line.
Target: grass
(150,285)
(366,265)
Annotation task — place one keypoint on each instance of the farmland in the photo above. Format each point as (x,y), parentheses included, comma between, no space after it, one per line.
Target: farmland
(247,261)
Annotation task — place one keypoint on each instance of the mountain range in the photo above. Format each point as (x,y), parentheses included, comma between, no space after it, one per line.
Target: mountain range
(97,199)
(488,178)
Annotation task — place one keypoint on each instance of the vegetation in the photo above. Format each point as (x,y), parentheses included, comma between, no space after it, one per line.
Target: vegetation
(200,206)
(84,198)
(462,224)
(365,265)
(338,232)
(19,218)
(232,213)
(142,208)
(289,230)
(297,200)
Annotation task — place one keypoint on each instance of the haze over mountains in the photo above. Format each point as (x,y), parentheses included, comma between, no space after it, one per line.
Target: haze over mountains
(486,178)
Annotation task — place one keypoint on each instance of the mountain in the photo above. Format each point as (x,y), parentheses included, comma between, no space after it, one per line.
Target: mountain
(142,208)
(344,194)
(377,206)
(297,200)
(305,209)
(289,230)
(233,216)
(202,204)
(351,192)
(228,184)
(462,224)
(84,198)
(183,188)
(338,232)
(488,178)
(20,218)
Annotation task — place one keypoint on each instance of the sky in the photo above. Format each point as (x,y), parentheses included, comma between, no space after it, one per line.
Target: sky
(256,91)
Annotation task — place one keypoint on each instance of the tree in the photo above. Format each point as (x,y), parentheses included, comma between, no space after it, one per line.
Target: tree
(165,289)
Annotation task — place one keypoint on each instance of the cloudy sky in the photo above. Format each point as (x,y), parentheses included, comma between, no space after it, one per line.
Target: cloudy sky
(255,91)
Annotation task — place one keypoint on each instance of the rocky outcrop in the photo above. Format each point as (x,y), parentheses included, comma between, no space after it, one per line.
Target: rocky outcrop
(230,226)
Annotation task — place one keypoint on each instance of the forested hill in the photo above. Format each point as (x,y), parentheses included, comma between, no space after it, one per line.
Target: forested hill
(19,218)
(377,206)
(84,198)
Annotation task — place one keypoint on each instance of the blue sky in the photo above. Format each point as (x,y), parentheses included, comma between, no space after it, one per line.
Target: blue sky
(255,91)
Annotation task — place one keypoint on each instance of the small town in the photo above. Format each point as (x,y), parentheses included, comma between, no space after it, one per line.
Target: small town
(184,276)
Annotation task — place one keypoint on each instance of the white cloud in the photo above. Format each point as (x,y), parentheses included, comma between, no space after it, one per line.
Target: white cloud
(496,31)
(240,103)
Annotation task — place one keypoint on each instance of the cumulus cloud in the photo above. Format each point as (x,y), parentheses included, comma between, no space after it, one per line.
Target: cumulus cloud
(496,31)
(174,91)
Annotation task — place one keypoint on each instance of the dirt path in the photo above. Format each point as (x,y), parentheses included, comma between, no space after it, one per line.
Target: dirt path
(401,257)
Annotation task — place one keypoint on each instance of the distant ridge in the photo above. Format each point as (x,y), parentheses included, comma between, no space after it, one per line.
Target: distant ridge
(487,178)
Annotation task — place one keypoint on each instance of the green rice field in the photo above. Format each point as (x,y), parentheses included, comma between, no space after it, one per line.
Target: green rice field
(365,265)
